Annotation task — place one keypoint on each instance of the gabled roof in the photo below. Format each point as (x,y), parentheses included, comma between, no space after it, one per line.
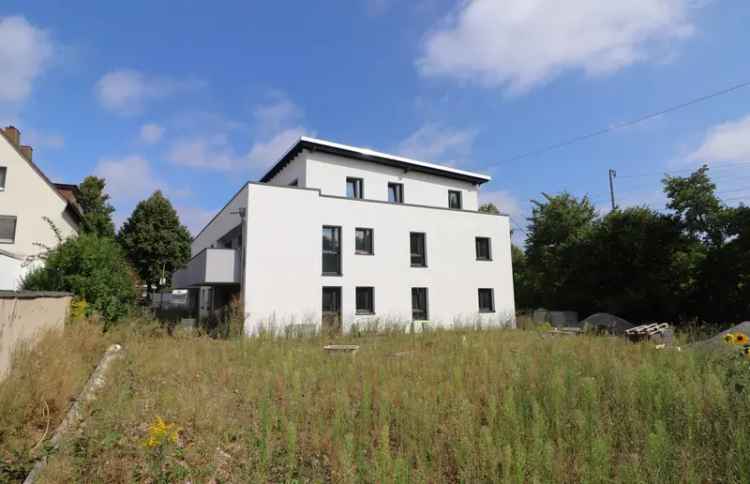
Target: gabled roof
(64,191)
(366,154)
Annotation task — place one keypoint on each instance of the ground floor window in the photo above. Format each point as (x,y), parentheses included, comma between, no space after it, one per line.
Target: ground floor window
(419,304)
(486,301)
(331,309)
(7,229)
(365,300)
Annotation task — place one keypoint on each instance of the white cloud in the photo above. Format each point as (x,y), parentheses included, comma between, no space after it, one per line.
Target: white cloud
(519,44)
(151,133)
(213,152)
(434,142)
(194,218)
(129,179)
(25,51)
(277,115)
(127,91)
(266,152)
(729,141)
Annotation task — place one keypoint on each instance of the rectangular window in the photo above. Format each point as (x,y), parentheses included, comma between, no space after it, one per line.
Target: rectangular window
(418,253)
(419,304)
(365,300)
(7,229)
(484,251)
(3,172)
(331,251)
(454,199)
(363,241)
(396,192)
(486,301)
(355,188)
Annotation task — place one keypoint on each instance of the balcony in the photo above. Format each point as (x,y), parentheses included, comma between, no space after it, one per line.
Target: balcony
(210,267)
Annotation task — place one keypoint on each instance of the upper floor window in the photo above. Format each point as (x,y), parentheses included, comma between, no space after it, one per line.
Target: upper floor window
(418,252)
(454,199)
(363,241)
(396,192)
(7,229)
(3,172)
(331,251)
(486,301)
(484,249)
(365,300)
(355,188)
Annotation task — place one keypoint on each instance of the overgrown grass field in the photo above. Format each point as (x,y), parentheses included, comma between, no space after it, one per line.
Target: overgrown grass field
(483,406)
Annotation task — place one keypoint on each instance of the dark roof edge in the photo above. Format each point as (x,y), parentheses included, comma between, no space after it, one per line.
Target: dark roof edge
(373,157)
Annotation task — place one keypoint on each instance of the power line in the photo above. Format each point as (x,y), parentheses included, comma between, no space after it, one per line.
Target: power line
(626,124)
(711,167)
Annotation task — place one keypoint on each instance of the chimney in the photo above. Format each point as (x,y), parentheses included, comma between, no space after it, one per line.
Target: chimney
(27,151)
(13,135)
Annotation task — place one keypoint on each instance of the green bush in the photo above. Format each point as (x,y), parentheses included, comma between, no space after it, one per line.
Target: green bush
(94,269)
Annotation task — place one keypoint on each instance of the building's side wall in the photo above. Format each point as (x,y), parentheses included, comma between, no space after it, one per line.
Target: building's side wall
(329,172)
(222,223)
(295,170)
(29,198)
(283,280)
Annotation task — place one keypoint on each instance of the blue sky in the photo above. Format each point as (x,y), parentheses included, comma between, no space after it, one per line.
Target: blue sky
(198,98)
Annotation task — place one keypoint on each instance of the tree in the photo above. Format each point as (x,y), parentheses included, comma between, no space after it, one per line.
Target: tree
(97,212)
(554,250)
(489,208)
(521,284)
(155,241)
(91,267)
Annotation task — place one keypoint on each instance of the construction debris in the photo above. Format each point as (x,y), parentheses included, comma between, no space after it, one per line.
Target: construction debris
(656,332)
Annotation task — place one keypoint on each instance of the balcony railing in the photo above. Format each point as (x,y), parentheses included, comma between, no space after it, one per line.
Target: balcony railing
(210,267)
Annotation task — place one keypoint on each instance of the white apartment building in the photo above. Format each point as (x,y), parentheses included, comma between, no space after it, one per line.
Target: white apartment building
(28,202)
(337,236)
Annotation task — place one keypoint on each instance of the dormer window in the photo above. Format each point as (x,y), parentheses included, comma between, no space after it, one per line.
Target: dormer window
(3,172)
(355,188)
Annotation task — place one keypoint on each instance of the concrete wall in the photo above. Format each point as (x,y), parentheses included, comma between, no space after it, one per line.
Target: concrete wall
(283,280)
(295,170)
(329,172)
(30,198)
(24,316)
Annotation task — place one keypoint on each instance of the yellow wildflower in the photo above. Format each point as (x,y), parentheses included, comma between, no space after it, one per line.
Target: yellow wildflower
(160,432)
(741,339)
(729,338)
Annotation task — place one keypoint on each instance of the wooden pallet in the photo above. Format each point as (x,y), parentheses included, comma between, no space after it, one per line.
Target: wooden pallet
(645,331)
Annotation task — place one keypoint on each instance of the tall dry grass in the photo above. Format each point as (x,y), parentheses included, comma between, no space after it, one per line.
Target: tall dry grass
(486,406)
(37,392)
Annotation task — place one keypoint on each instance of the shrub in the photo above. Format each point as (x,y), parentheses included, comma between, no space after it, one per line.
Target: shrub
(94,269)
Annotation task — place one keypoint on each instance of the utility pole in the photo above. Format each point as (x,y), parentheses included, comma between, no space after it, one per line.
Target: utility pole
(612,176)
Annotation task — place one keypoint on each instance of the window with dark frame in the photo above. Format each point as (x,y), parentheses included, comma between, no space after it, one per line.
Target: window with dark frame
(3,173)
(7,229)
(419,304)
(486,301)
(331,251)
(484,250)
(417,248)
(454,199)
(396,192)
(355,188)
(363,241)
(365,297)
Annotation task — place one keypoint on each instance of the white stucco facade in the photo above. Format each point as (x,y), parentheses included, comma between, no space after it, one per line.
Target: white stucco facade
(29,197)
(282,278)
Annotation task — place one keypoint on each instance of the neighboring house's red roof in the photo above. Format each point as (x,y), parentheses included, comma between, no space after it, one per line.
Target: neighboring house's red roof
(65,191)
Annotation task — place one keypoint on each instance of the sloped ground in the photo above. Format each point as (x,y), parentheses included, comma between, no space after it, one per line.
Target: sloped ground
(442,406)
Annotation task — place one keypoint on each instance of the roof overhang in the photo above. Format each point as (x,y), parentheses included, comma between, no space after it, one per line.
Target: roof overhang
(366,154)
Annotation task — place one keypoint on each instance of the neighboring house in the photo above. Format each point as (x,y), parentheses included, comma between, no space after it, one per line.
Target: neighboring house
(340,235)
(28,199)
